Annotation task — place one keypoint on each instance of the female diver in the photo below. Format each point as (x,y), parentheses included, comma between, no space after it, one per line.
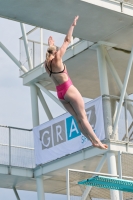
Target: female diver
(66,91)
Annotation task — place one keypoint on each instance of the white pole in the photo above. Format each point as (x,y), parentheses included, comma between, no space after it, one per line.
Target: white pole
(120,172)
(126,121)
(41,42)
(44,104)
(35,119)
(102,70)
(123,92)
(113,109)
(34,105)
(50,95)
(118,81)
(98,169)
(113,103)
(112,170)
(40,188)
(13,58)
(104,90)
(107,115)
(26,45)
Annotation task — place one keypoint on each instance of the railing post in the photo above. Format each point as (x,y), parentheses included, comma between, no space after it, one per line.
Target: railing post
(9,150)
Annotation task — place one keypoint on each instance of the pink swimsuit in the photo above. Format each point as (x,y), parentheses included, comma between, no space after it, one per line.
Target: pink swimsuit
(62,88)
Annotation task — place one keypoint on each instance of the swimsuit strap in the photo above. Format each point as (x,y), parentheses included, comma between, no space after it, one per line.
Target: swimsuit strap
(50,70)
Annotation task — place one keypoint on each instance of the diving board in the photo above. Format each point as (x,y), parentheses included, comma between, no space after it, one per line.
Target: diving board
(109,183)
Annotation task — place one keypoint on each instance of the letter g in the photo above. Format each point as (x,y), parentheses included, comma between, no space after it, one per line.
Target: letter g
(45,138)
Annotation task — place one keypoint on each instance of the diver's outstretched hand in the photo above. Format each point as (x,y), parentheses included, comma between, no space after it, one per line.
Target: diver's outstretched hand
(50,41)
(75,21)
(100,145)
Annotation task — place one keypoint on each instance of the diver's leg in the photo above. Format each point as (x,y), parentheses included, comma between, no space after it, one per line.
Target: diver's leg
(70,109)
(74,98)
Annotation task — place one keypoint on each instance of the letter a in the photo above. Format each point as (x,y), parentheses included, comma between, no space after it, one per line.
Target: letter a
(73,128)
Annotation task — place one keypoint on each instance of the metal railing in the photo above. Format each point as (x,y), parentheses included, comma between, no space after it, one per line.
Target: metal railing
(130,2)
(35,49)
(16,147)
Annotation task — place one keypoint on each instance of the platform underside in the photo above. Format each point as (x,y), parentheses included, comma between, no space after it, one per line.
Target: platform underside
(95,23)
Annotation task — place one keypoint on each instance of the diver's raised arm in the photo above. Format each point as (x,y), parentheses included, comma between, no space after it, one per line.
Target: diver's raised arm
(70,31)
(68,38)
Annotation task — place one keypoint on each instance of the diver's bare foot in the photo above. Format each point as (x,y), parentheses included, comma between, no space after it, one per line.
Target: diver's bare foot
(100,145)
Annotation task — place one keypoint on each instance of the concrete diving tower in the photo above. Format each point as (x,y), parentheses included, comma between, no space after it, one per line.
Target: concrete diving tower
(100,63)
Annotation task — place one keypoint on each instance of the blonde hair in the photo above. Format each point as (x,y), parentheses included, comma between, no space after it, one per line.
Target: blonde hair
(50,51)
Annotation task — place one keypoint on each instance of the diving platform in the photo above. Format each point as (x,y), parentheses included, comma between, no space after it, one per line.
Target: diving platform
(109,183)
(99,20)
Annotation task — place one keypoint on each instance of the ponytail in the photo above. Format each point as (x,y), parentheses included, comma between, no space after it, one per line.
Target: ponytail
(49,52)
(47,56)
